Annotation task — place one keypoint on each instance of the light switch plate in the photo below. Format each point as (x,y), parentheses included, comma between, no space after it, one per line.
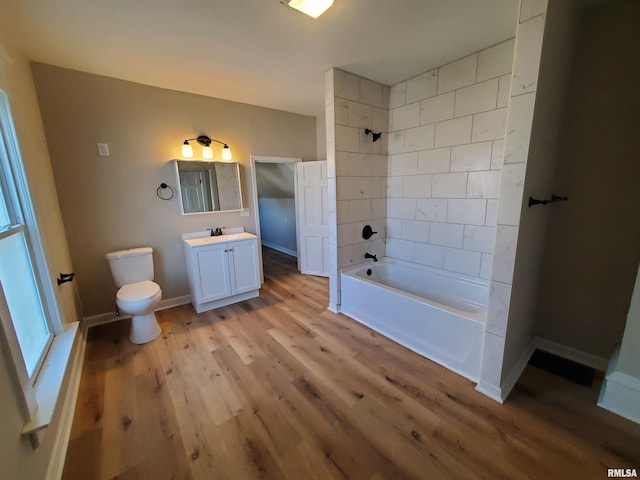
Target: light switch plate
(103,149)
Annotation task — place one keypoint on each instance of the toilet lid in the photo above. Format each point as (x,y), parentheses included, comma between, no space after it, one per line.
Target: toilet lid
(138,290)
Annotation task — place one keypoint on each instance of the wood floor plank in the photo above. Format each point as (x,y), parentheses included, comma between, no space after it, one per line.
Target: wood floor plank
(279,387)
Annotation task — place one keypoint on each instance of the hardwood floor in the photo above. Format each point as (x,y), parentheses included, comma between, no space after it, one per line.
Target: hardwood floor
(277,387)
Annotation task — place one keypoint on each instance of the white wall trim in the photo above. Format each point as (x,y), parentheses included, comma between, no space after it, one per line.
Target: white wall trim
(516,371)
(280,249)
(620,393)
(490,391)
(572,354)
(109,317)
(61,442)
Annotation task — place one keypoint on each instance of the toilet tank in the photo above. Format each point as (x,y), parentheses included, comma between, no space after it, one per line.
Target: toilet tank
(130,266)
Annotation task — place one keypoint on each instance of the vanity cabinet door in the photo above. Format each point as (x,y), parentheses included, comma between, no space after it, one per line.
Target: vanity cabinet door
(244,266)
(213,280)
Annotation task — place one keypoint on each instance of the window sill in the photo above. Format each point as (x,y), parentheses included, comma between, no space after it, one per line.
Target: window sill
(48,387)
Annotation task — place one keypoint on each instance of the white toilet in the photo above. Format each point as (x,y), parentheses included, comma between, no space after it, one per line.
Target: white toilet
(132,270)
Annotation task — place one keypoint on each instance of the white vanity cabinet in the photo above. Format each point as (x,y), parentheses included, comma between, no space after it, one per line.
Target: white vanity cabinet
(222,270)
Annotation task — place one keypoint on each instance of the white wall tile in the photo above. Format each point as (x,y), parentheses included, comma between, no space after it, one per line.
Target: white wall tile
(346,85)
(379,165)
(385,96)
(403,164)
(404,208)
(497,154)
(474,156)
(359,115)
(368,146)
(489,125)
(466,211)
(457,74)
(344,234)
(462,261)
(453,132)
(400,249)
(496,61)
(483,184)
(342,211)
(476,98)
(394,187)
(416,186)
(504,91)
(422,86)
(398,95)
(431,255)
(511,189)
(347,139)
(491,218)
(396,142)
(437,108)
(379,208)
(504,254)
(431,209)
(419,138)
(370,92)
(531,8)
(342,164)
(434,161)
(341,111)
(516,149)
(404,117)
(498,308)
(449,185)
(359,165)
(527,57)
(479,239)
(360,210)
(485,266)
(415,231)
(446,234)
(356,253)
(394,228)
(380,120)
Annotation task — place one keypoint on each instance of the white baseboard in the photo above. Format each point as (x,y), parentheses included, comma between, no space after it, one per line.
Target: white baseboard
(279,248)
(490,391)
(620,393)
(572,354)
(61,442)
(109,317)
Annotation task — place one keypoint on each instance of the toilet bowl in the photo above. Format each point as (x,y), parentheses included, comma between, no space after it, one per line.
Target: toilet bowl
(138,295)
(139,300)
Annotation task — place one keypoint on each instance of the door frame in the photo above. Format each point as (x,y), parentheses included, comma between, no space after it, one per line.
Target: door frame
(254,188)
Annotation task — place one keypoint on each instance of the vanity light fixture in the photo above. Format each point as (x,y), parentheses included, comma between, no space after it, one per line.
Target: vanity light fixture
(375,136)
(207,151)
(313,8)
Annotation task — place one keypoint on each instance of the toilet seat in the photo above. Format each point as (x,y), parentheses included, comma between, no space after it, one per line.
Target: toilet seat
(138,291)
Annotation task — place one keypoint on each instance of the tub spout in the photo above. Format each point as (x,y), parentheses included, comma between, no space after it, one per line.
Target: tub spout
(368,255)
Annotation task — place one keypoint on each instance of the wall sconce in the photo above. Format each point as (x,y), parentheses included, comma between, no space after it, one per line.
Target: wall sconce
(313,8)
(375,136)
(207,152)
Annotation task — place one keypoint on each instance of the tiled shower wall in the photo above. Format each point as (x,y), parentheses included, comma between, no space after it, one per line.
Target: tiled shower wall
(445,160)
(361,165)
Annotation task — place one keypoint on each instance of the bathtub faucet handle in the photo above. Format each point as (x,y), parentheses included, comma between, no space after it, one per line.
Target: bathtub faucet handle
(368,255)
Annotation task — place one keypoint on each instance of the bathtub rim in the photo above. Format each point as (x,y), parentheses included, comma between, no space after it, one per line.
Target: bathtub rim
(479,317)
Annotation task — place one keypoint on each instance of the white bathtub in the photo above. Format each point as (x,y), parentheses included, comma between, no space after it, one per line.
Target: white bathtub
(437,314)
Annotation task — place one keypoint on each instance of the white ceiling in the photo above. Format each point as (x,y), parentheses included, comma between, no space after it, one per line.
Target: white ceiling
(254,51)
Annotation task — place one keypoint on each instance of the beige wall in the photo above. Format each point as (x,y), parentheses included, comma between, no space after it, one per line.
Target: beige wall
(593,246)
(110,203)
(17,457)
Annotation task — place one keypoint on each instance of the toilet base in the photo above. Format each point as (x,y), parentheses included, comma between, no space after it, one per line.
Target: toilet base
(144,328)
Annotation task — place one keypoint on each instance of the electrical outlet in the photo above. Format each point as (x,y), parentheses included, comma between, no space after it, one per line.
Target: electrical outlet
(103,149)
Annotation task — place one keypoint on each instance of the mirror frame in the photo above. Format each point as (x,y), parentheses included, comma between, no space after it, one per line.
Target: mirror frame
(181,203)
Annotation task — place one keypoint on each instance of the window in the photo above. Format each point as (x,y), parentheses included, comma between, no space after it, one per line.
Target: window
(24,286)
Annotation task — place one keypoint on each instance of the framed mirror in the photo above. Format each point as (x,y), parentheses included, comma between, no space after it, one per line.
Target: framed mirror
(207,187)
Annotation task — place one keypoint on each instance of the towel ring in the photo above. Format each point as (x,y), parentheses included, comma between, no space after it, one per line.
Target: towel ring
(165,192)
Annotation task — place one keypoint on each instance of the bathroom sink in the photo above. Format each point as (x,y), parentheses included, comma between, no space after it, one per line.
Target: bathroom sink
(209,240)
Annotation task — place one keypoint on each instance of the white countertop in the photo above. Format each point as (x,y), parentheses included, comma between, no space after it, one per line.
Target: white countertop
(202,241)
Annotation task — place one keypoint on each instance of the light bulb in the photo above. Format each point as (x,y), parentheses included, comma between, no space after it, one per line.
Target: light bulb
(187,151)
(226,152)
(207,152)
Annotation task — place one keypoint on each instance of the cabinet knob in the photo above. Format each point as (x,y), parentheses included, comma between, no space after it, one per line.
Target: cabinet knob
(231,249)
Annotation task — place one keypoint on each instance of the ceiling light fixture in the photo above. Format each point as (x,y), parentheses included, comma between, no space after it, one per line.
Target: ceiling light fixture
(207,151)
(313,8)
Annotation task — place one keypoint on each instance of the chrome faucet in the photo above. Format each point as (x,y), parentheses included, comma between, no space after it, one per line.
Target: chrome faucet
(368,255)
